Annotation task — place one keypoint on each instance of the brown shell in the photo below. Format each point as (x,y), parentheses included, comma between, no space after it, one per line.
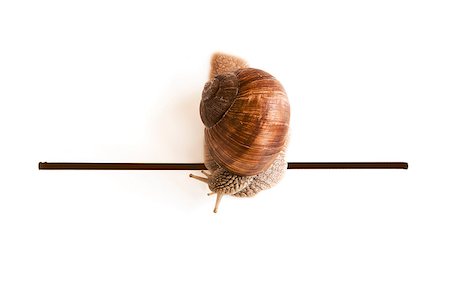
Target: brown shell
(218,95)
(251,129)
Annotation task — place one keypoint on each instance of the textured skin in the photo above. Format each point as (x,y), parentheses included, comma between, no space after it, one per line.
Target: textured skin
(266,179)
(222,181)
(223,63)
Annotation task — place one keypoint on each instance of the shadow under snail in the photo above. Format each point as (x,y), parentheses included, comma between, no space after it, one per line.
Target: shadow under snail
(246,115)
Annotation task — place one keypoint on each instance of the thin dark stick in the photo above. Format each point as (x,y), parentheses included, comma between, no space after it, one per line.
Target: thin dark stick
(198,166)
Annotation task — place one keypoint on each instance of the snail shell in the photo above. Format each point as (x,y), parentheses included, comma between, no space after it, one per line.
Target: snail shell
(246,114)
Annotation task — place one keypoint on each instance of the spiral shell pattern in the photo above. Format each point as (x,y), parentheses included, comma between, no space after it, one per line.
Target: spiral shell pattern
(246,114)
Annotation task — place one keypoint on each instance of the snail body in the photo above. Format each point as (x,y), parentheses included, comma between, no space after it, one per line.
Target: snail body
(246,116)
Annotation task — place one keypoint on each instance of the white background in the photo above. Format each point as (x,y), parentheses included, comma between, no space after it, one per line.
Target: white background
(120,81)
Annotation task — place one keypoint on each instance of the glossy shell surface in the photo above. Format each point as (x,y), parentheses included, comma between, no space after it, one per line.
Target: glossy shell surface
(250,130)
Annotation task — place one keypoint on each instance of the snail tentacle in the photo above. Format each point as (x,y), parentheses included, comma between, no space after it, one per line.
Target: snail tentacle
(203,179)
(216,207)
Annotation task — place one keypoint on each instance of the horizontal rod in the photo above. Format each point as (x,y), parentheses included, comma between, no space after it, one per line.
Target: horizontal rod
(199,166)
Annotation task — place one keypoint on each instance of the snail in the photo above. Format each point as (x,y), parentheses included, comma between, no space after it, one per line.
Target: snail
(246,115)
